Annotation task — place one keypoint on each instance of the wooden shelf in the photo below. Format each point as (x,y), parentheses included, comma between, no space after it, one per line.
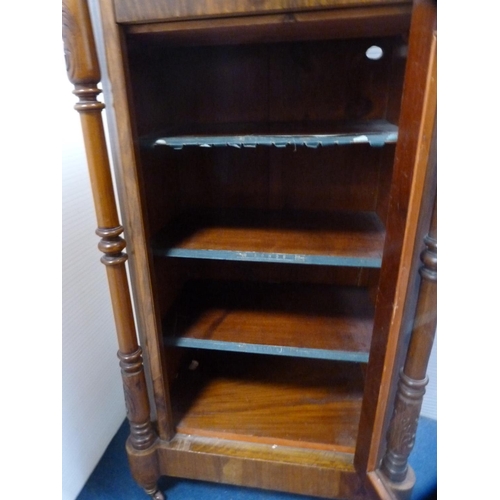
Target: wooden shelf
(309,321)
(309,134)
(279,401)
(343,238)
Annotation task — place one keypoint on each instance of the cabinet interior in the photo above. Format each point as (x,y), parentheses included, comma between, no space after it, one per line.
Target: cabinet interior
(266,238)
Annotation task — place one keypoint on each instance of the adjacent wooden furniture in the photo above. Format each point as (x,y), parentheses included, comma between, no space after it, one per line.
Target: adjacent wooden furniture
(275,169)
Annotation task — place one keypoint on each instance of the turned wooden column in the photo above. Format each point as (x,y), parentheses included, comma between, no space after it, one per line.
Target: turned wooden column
(413,378)
(83,71)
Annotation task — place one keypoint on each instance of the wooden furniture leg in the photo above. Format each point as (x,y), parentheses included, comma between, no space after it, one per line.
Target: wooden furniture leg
(83,72)
(413,378)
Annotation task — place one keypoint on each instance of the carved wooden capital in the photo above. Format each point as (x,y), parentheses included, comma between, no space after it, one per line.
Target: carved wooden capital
(79,46)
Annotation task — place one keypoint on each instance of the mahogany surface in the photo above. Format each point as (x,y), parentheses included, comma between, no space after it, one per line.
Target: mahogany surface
(324,179)
(300,316)
(151,10)
(260,83)
(307,25)
(354,235)
(316,473)
(254,398)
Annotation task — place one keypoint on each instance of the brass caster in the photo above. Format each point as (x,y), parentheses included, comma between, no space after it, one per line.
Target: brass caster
(156,495)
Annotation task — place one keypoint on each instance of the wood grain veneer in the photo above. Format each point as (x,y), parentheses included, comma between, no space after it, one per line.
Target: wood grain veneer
(297,316)
(317,473)
(254,398)
(309,25)
(338,238)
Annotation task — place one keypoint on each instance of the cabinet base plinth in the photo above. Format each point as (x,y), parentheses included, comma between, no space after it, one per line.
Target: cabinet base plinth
(317,473)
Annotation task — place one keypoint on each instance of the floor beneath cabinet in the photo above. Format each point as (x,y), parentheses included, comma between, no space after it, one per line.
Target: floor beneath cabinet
(111,478)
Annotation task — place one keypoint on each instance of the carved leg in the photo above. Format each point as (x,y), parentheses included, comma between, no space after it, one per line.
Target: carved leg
(413,379)
(403,427)
(144,468)
(83,72)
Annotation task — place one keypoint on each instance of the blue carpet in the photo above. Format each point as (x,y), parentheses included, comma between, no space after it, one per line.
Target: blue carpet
(111,478)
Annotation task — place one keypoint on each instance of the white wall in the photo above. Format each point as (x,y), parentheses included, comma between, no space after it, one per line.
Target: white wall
(93,405)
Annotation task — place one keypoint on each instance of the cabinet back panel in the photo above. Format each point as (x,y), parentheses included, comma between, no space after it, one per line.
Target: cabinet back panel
(172,274)
(194,178)
(183,86)
(297,83)
(330,178)
(323,179)
(331,80)
(323,80)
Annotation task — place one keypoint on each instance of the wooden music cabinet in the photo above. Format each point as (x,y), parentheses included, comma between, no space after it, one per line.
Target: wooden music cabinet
(276,174)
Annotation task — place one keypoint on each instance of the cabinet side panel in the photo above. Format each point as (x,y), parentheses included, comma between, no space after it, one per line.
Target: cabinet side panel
(405,203)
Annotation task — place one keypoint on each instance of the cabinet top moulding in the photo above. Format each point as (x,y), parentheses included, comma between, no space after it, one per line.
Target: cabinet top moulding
(332,19)
(131,11)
